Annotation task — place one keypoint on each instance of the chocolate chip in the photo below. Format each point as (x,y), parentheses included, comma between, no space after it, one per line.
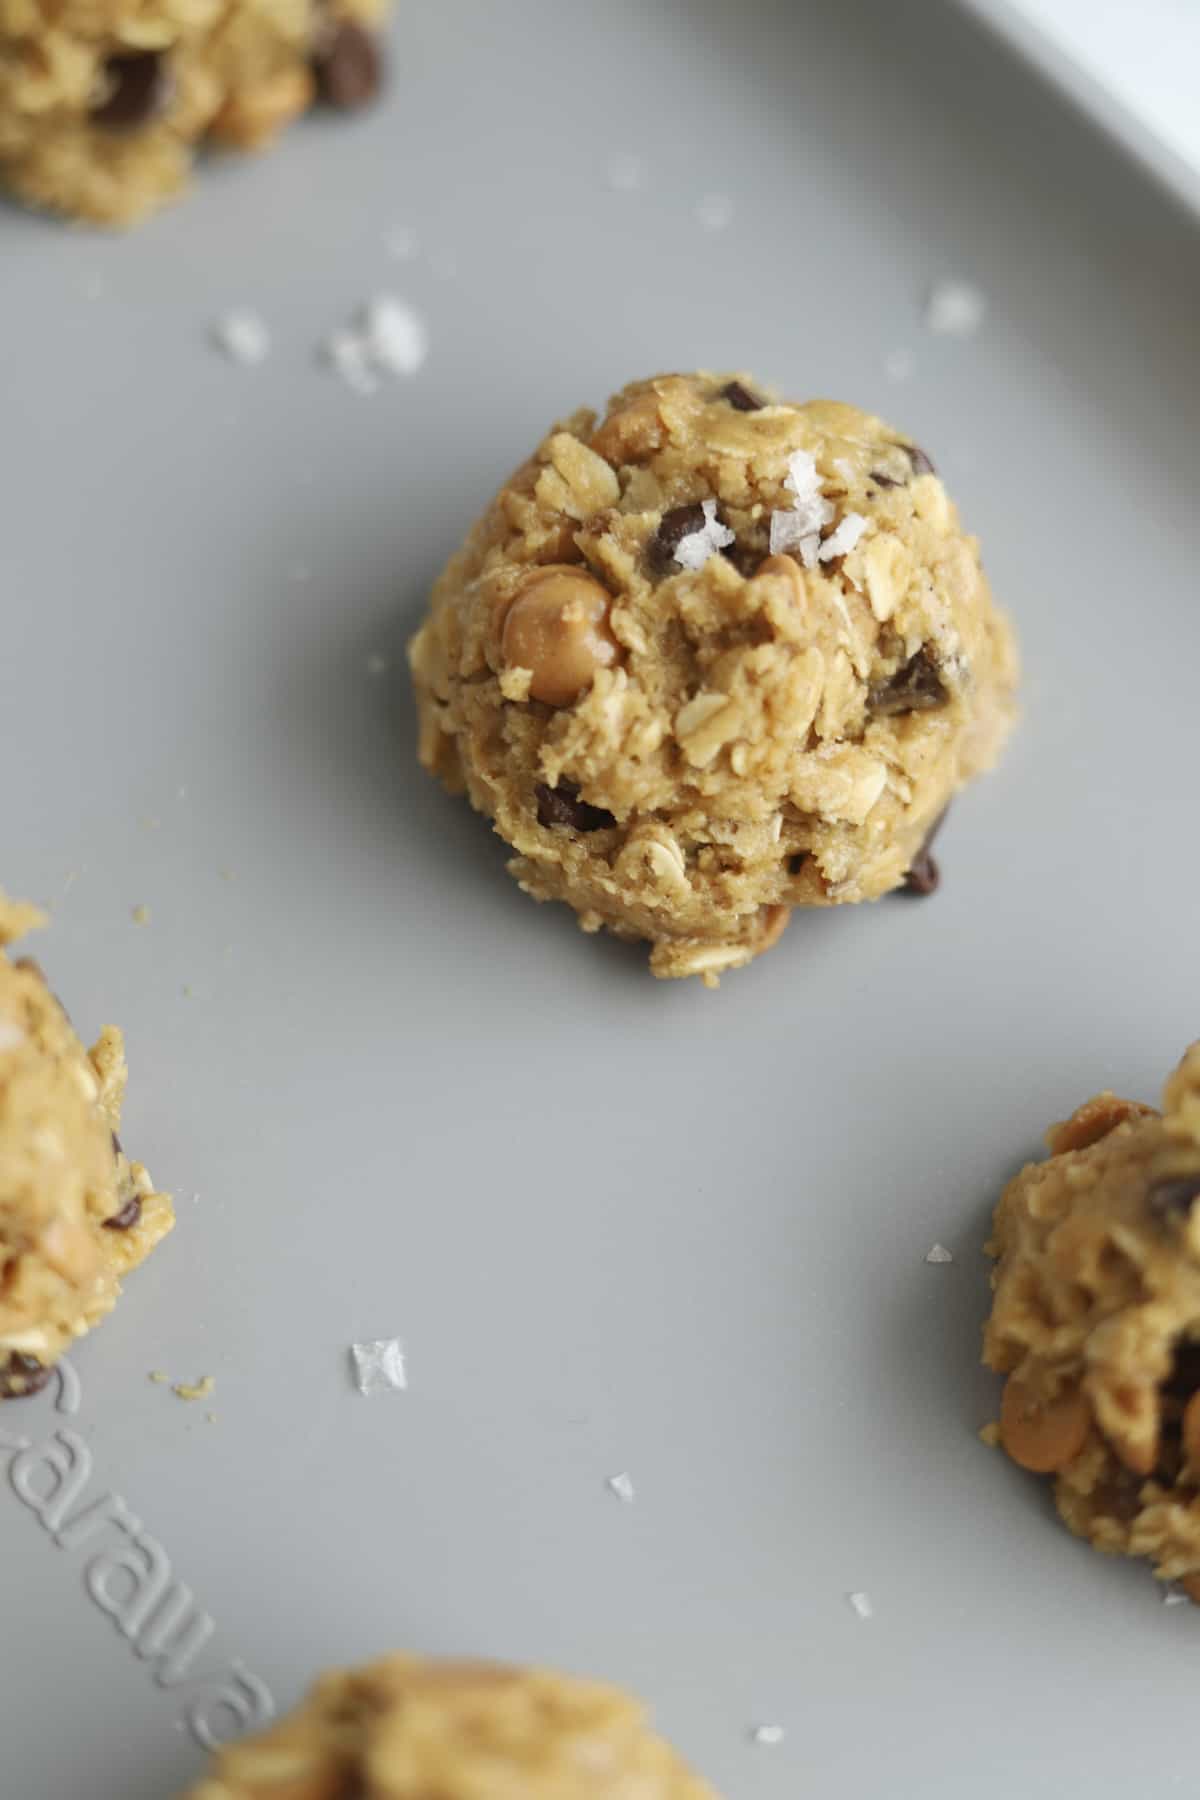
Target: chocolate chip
(116,1143)
(882,480)
(561,805)
(745,560)
(127,1218)
(1184,1377)
(740,398)
(674,526)
(137,87)
(925,877)
(1175,1198)
(797,862)
(914,688)
(921,463)
(21,1375)
(31,966)
(348,66)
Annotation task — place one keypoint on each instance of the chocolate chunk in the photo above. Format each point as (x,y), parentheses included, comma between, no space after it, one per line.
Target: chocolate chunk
(673,527)
(127,1218)
(1175,1198)
(914,688)
(925,877)
(740,398)
(561,805)
(921,464)
(137,88)
(348,66)
(797,862)
(1184,1377)
(21,1375)
(116,1143)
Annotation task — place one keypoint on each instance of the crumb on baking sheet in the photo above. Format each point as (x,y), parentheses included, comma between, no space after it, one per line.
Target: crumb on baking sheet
(194,1390)
(379,1366)
(140,914)
(939,1254)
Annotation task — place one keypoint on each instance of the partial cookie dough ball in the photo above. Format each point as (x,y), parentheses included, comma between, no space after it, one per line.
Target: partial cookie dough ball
(406,1729)
(75,1214)
(1096,1323)
(712,658)
(103,107)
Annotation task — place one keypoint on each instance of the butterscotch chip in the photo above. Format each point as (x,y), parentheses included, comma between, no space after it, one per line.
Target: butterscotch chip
(798,666)
(557,628)
(1044,1436)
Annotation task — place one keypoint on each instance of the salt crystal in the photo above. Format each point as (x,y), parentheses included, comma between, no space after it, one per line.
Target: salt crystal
(843,539)
(389,338)
(714,212)
(626,172)
(622,1487)
(768,1734)
(243,335)
(396,336)
(898,365)
(939,1254)
(955,309)
(789,534)
(379,1365)
(861,1604)
(694,550)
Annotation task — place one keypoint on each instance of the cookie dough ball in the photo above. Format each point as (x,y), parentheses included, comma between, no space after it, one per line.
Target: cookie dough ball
(1096,1323)
(102,107)
(75,1213)
(406,1729)
(711,658)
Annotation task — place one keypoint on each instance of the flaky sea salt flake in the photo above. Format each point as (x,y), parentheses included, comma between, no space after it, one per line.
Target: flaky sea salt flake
(939,1254)
(622,1486)
(694,550)
(243,335)
(843,538)
(345,351)
(861,1604)
(397,341)
(955,309)
(379,1366)
(768,1734)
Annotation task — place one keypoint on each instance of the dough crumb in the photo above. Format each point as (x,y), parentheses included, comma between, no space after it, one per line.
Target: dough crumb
(955,309)
(140,915)
(194,1390)
(243,336)
(160,1376)
(939,1254)
(622,1486)
(768,1734)
(861,1604)
(379,1365)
